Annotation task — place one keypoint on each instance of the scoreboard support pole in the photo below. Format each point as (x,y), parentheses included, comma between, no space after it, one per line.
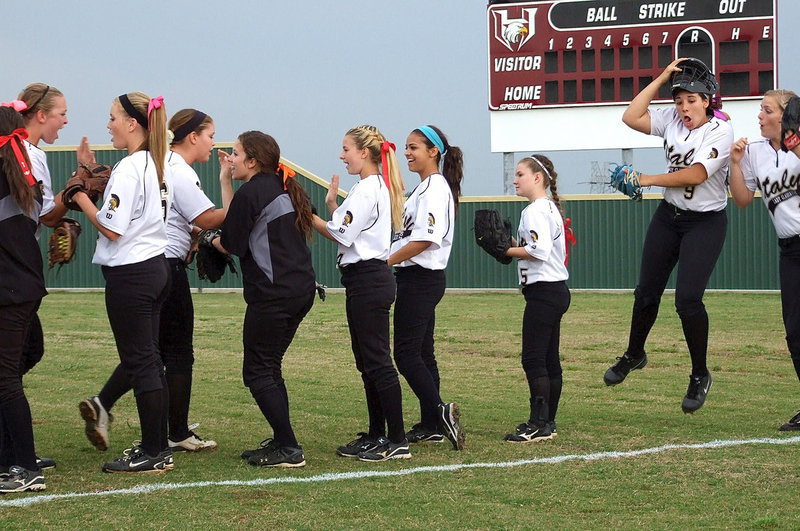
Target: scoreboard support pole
(508,173)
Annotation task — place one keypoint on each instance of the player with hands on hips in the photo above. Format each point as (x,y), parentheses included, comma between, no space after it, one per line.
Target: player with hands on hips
(362,227)
(192,141)
(541,250)
(763,166)
(690,223)
(420,251)
(267,227)
(130,249)
(21,290)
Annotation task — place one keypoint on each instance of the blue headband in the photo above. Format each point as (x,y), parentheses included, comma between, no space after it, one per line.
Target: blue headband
(433,136)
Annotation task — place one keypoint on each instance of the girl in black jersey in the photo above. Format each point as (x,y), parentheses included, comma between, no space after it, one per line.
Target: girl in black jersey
(21,290)
(130,248)
(267,225)
(420,252)
(362,227)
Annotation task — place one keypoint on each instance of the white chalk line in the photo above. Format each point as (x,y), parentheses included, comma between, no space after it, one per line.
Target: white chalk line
(321,478)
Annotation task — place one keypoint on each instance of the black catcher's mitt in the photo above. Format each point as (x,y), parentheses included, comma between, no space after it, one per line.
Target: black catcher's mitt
(61,247)
(89,178)
(211,263)
(790,125)
(493,234)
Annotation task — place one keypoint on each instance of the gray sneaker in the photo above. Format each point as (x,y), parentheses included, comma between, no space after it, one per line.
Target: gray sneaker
(97,422)
(626,363)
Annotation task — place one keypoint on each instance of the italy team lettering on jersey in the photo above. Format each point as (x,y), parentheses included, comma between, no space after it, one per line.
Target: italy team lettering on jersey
(134,207)
(541,232)
(708,145)
(362,225)
(776,174)
(428,215)
(187,201)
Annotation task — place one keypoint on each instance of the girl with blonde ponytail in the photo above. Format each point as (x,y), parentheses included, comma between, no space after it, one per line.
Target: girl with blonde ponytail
(362,227)
(130,248)
(542,253)
(420,252)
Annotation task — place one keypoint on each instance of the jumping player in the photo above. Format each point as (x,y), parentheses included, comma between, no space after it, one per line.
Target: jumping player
(762,165)
(267,226)
(193,141)
(130,248)
(362,227)
(420,252)
(542,253)
(689,225)
(21,290)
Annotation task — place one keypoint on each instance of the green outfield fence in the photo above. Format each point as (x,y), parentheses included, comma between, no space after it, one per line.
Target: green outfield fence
(609,229)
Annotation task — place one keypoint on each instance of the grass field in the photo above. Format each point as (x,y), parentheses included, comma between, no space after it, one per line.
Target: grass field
(751,485)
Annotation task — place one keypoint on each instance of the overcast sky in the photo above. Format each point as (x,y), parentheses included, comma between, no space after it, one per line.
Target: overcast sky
(304,72)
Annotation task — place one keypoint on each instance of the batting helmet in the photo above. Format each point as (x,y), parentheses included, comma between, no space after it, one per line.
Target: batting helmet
(694,77)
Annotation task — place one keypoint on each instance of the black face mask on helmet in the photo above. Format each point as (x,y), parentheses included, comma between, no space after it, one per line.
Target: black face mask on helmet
(694,77)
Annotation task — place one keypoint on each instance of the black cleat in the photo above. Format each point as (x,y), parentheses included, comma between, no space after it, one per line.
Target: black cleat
(793,424)
(135,459)
(527,432)
(364,443)
(20,479)
(419,433)
(450,424)
(696,393)
(267,445)
(45,462)
(281,457)
(626,363)
(387,450)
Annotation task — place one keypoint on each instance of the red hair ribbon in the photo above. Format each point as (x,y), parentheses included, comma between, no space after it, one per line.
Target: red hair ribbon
(17,105)
(20,135)
(569,239)
(287,173)
(385,147)
(155,103)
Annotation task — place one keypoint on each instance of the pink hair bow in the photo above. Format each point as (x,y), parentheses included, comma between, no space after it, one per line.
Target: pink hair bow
(155,103)
(17,105)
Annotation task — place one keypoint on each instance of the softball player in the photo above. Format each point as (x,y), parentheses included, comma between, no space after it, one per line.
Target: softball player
(362,227)
(542,253)
(689,225)
(193,141)
(762,166)
(419,253)
(267,226)
(21,290)
(130,248)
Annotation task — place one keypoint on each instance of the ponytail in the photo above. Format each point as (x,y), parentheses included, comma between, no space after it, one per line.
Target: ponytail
(300,201)
(152,116)
(21,191)
(451,158)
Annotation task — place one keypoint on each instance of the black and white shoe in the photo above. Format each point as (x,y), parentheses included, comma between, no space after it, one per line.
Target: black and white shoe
(387,450)
(364,443)
(135,459)
(45,462)
(793,424)
(20,479)
(450,424)
(267,445)
(282,456)
(696,393)
(552,425)
(419,434)
(97,421)
(192,443)
(527,432)
(626,363)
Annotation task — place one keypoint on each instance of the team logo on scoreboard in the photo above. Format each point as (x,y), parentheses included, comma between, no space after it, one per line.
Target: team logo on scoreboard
(514,32)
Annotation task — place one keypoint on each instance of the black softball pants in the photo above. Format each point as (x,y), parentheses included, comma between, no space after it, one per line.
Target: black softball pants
(419,290)
(269,328)
(545,305)
(370,291)
(16,428)
(790,295)
(693,241)
(134,295)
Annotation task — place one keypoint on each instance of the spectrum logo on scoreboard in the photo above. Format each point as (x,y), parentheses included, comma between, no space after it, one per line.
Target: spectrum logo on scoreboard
(603,52)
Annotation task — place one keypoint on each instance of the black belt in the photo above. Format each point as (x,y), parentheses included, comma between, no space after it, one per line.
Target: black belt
(362,264)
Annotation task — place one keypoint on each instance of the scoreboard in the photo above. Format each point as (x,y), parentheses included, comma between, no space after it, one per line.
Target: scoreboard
(583,55)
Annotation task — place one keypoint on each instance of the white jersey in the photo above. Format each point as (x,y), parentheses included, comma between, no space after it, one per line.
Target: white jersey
(709,145)
(42,175)
(362,225)
(776,174)
(187,201)
(135,208)
(428,216)
(541,233)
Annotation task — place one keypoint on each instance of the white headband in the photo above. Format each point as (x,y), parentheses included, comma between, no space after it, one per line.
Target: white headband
(539,162)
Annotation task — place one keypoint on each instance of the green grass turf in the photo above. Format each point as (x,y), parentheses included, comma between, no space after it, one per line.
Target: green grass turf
(478,343)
